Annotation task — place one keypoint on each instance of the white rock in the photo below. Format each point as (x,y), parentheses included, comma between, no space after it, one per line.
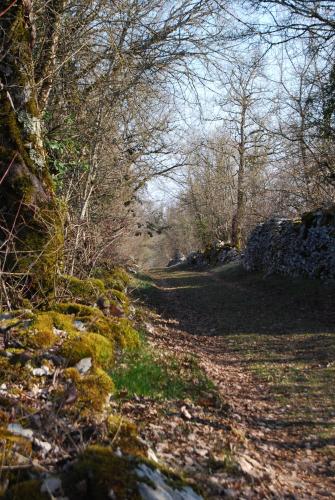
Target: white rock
(162,489)
(44,445)
(152,455)
(18,430)
(51,485)
(80,325)
(41,372)
(84,365)
(149,328)
(118,452)
(59,332)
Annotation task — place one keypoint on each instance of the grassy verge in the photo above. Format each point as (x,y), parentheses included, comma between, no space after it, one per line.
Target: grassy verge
(159,375)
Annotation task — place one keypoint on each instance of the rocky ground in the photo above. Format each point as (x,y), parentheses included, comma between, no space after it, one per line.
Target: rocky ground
(224,389)
(61,436)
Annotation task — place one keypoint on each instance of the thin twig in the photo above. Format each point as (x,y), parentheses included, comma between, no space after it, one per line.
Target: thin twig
(117,432)
(7,9)
(31,465)
(8,168)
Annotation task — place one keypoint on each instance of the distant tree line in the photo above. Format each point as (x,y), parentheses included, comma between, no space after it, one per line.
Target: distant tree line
(272,149)
(90,99)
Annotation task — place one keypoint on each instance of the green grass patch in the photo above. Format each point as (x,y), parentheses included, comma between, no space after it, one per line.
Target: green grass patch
(160,375)
(143,281)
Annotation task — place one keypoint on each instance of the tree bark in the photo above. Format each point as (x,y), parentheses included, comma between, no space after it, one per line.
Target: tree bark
(31,223)
(45,71)
(238,218)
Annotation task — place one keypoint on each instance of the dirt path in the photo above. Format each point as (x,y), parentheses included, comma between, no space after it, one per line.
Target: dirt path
(249,443)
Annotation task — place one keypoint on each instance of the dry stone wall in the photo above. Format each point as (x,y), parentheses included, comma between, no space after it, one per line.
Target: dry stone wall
(215,254)
(301,247)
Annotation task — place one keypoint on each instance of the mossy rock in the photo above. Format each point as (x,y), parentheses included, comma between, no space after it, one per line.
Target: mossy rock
(13,446)
(99,474)
(118,330)
(124,334)
(40,334)
(100,325)
(97,342)
(63,322)
(117,278)
(124,435)
(26,490)
(93,390)
(87,290)
(78,310)
(88,345)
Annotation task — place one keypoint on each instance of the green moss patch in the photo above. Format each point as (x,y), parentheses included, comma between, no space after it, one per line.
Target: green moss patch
(92,390)
(117,278)
(118,330)
(11,372)
(12,447)
(87,344)
(76,289)
(27,490)
(124,333)
(40,334)
(78,310)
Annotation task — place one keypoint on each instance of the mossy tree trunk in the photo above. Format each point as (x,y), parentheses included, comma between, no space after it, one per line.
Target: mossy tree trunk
(31,227)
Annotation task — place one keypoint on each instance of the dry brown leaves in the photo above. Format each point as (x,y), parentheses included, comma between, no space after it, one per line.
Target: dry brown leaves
(237,448)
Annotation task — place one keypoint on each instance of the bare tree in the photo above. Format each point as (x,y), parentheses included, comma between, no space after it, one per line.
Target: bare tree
(243,114)
(291,19)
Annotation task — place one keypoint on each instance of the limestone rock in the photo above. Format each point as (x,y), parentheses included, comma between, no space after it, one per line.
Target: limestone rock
(304,247)
(84,365)
(178,258)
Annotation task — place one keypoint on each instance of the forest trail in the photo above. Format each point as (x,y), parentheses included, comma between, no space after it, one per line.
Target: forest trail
(269,346)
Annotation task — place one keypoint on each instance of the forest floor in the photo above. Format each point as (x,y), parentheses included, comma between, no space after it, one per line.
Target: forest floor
(266,427)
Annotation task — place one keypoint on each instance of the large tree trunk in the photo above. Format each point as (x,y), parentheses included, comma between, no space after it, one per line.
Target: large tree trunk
(31,229)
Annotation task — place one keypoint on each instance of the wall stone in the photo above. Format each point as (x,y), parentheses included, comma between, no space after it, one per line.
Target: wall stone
(177,259)
(215,254)
(300,247)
